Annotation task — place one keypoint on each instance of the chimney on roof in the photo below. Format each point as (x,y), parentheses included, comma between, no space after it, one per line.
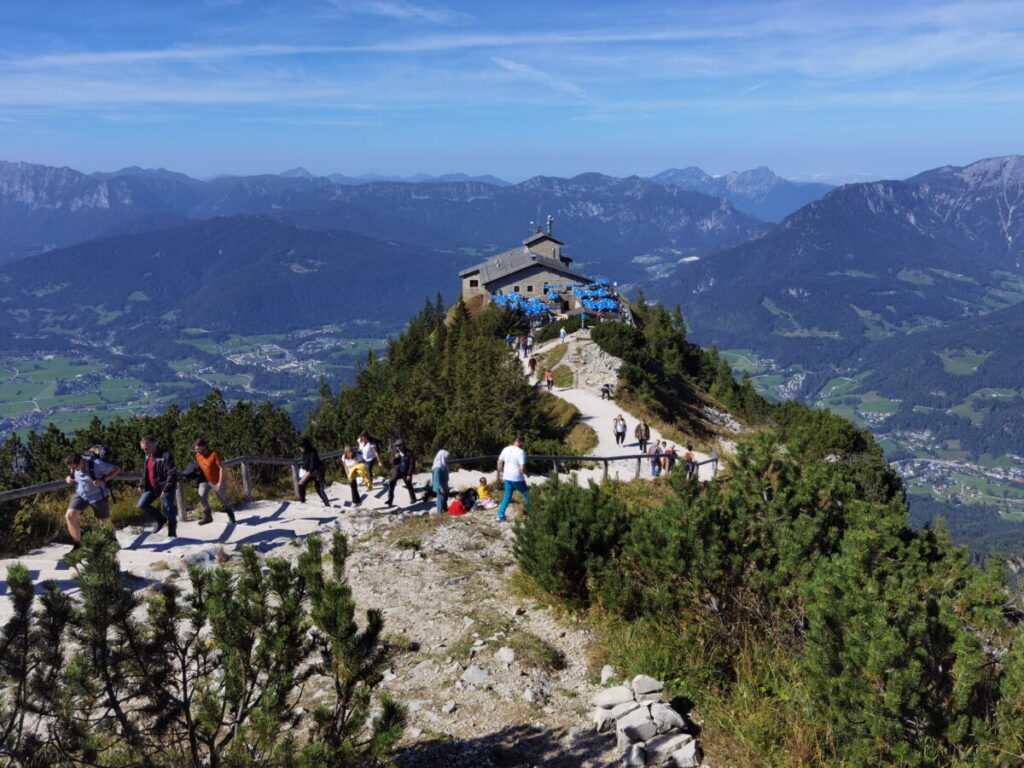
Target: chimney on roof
(538,229)
(551,221)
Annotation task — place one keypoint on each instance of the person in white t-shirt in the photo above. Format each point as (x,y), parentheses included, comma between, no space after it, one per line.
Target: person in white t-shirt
(512,471)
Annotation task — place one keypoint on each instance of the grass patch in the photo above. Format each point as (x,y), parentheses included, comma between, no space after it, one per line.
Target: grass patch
(915,277)
(559,413)
(531,650)
(582,439)
(563,376)
(962,362)
(552,357)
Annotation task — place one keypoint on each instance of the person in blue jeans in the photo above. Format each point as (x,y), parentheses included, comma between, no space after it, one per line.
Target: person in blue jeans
(439,480)
(159,480)
(512,472)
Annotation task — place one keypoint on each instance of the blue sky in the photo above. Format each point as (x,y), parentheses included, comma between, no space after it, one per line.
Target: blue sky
(837,91)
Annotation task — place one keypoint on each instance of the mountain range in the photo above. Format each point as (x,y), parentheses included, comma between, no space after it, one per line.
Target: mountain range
(610,222)
(757,192)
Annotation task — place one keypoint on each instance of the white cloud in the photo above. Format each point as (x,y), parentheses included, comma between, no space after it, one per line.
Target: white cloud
(526,72)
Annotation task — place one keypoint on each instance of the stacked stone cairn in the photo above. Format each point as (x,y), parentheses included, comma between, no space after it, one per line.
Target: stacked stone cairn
(649,731)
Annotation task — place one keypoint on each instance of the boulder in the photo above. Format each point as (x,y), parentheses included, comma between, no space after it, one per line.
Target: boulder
(506,656)
(448,707)
(636,755)
(611,696)
(637,725)
(666,718)
(645,684)
(624,708)
(604,720)
(689,756)
(475,675)
(660,748)
(607,673)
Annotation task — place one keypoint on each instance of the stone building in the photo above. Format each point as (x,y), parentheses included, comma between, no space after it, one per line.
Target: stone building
(526,270)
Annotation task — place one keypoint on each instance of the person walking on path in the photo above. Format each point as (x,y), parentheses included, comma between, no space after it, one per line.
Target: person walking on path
(315,472)
(355,468)
(439,480)
(91,477)
(159,480)
(512,472)
(561,335)
(655,454)
(213,480)
(619,426)
(642,433)
(401,469)
(691,462)
(368,450)
(522,346)
(531,366)
(530,341)
(549,378)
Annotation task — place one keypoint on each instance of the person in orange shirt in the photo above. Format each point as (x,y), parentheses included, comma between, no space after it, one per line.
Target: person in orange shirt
(213,479)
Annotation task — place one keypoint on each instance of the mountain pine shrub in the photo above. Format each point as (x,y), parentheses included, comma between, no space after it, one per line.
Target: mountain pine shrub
(211,678)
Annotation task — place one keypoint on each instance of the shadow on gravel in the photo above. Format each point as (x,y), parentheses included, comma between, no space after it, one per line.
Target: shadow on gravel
(515,746)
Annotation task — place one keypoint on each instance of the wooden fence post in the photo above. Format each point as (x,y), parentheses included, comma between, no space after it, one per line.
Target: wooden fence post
(638,461)
(246,481)
(606,469)
(179,498)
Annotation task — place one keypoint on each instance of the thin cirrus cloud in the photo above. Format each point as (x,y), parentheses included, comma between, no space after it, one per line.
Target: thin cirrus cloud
(526,72)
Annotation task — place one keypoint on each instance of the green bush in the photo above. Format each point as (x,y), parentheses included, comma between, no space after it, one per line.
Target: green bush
(554,330)
(214,678)
(572,533)
(620,340)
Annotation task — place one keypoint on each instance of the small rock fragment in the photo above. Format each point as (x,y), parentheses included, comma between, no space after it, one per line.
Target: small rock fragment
(607,673)
(475,675)
(612,696)
(688,756)
(636,755)
(506,656)
(645,684)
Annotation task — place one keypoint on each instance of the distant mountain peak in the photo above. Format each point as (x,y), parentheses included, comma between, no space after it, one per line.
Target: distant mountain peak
(296,173)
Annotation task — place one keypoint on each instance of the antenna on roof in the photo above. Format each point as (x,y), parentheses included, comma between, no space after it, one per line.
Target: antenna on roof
(532,225)
(551,220)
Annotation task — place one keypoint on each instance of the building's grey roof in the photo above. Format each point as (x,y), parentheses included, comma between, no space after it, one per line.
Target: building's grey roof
(516,260)
(538,236)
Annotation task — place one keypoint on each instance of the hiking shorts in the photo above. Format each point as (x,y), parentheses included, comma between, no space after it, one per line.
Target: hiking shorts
(101,508)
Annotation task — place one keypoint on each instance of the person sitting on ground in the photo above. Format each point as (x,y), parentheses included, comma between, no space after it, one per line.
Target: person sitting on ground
(315,472)
(355,468)
(483,495)
(91,477)
(212,479)
(457,507)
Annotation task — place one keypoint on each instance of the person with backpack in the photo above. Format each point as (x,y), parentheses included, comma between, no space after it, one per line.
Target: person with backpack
(439,480)
(549,378)
(211,478)
(401,469)
(91,477)
(315,472)
(159,480)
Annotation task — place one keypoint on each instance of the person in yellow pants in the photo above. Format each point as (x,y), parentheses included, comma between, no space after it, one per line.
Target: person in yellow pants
(355,468)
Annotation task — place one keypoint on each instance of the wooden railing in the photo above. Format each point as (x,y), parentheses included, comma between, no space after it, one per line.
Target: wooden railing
(244,463)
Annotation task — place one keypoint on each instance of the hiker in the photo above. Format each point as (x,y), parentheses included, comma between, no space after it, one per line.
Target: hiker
(562,335)
(549,378)
(606,391)
(669,460)
(655,454)
(315,471)
(530,341)
(368,450)
(355,468)
(401,469)
(531,366)
(439,478)
(91,477)
(619,427)
(642,433)
(212,479)
(691,462)
(522,346)
(159,480)
(512,472)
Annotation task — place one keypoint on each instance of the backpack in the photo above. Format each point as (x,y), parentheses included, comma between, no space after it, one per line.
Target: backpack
(94,454)
(469,497)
